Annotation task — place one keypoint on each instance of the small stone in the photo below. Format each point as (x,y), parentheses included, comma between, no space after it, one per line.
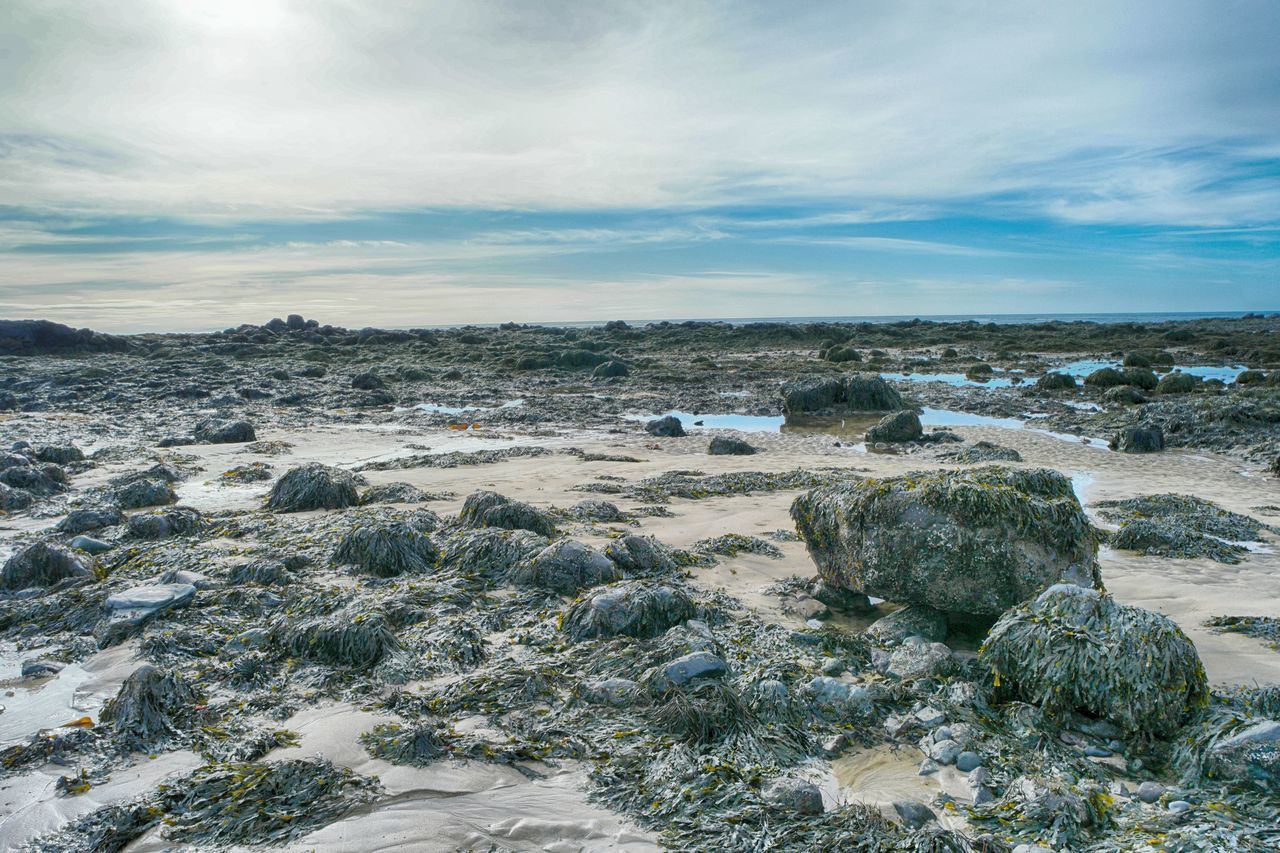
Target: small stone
(968,761)
(914,814)
(806,608)
(930,717)
(945,751)
(928,767)
(1149,792)
(978,777)
(833,666)
(896,726)
(834,745)
(982,796)
(797,795)
(90,545)
(685,670)
(1093,751)
(40,668)
(1179,806)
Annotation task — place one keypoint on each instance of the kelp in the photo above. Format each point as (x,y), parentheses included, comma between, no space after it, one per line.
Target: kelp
(388,549)
(313,486)
(416,744)
(1266,628)
(151,706)
(1171,525)
(355,637)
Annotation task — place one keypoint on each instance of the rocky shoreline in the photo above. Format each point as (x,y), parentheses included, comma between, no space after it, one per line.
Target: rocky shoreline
(293,585)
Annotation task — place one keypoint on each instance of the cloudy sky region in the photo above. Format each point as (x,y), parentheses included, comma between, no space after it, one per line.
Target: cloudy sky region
(178,164)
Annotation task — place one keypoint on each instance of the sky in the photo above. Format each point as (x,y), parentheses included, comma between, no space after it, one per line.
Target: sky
(190,165)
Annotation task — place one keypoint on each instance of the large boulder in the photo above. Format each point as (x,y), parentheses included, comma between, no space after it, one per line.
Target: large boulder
(668,426)
(1077,650)
(898,427)
(42,564)
(969,543)
(566,567)
(1143,438)
(314,486)
(857,392)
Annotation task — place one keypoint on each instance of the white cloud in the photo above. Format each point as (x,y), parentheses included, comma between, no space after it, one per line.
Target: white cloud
(235,108)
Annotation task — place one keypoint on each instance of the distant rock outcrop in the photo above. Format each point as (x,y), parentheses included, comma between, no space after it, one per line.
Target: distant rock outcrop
(45,337)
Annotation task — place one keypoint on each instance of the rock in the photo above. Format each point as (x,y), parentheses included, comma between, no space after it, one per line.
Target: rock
(313,486)
(85,520)
(928,767)
(566,567)
(971,542)
(796,796)
(629,608)
(152,598)
(668,426)
(176,521)
(723,446)
(859,392)
(1106,377)
(144,493)
(1179,806)
(618,692)
(490,509)
(640,555)
(1094,751)
(41,668)
(1056,382)
(388,549)
(59,454)
(43,565)
(90,545)
(805,607)
(968,761)
(1125,395)
(43,480)
(1138,439)
(368,382)
(945,752)
(597,510)
(835,695)
(1178,383)
(610,370)
(914,814)
(183,576)
(930,716)
(152,705)
(840,599)
(920,660)
(14,500)
(686,670)
(1149,792)
(911,621)
(1045,652)
(896,428)
(225,432)
(393,493)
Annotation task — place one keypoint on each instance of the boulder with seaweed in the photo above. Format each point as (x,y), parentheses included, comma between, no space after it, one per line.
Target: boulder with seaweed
(388,549)
(1078,650)
(565,567)
(630,608)
(162,524)
(640,555)
(151,706)
(969,543)
(353,637)
(416,743)
(314,486)
(42,565)
(490,552)
(490,509)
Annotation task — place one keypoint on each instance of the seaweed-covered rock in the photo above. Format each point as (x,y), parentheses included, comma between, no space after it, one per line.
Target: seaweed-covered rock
(144,493)
(1172,525)
(394,493)
(89,519)
(565,567)
(971,542)
(1056,382)
(640,555)
(42,564)
(14,500)
(59,454)
(794,796)
(43,480)
(1125,395)
(667,426)
(491,552)
(225,432)
(898,427)
(1105,377)
(610,370)
(388,549)
(314,486)
(162,524)
(723,446)
(352,637)
(368,381)
(1141,377)
(858,392)
(983,452)
(151,706)
(417,744)
(1075,649)
(265,572)
(490,509)
(1143,438)
(1178,383)
(593,509)
(630,608)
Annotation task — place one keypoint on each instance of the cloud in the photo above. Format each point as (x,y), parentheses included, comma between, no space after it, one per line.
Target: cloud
(313,108)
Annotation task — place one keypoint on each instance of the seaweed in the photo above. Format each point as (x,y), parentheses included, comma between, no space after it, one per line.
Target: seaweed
(313,486)
(388,549)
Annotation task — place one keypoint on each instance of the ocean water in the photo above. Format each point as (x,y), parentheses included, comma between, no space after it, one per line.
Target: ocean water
(1001,319)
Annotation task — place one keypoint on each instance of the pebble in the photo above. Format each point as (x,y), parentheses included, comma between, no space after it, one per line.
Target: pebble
(1097,751)
(1149,792)
(914,814)
(90,545)
(40,668)
(1179,806)
(930,717)
(968,761)
(945,751)
(928,767)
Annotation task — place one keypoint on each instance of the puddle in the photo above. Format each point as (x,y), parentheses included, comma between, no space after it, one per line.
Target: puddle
(958,380)
(1226,373)
(42,704)
(742,423)
(878,776)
